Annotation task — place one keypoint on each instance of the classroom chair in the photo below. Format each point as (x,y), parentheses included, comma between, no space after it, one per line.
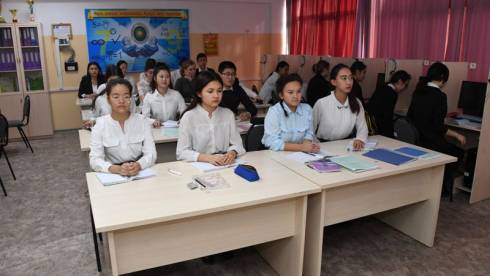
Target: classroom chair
(4,140)
(405,131)
(253,140)
(25,121)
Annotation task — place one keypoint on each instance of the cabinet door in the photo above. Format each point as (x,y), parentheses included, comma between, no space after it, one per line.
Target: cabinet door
(32,59)
(9,69)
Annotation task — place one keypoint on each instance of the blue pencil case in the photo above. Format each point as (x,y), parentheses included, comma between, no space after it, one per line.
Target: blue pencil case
(247,172)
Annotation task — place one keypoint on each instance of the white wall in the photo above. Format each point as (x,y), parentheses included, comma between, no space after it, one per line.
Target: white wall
(224,16)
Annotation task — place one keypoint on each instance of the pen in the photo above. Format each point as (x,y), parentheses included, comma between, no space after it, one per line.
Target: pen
(174,172)
(200,183)
(309,153)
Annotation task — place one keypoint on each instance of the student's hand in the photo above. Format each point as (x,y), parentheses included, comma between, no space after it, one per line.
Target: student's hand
(230,157)
(215,159)
(118,169)
(357,145)
(88,123)
(309,146)
(245,116)
(133,168)
(461,139)
(157,124)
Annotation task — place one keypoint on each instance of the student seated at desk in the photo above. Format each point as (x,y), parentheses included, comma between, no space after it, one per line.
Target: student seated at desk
(91,81)
(427,112)
(358,69)
(382,103)
(164,103)
(144,83)
(122,72)
(319,86)
(202,63)
(121,142)
(267,92)
(184,84)
(208,132)
(288,123)
(233,93)
(336,116)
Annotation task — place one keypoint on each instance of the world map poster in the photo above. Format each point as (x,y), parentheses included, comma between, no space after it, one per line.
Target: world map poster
(136,35)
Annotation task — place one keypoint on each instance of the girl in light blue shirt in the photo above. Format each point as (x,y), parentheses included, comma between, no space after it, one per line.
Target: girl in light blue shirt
(288,124)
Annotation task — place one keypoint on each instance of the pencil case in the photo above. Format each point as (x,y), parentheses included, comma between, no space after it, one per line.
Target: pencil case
(247,172)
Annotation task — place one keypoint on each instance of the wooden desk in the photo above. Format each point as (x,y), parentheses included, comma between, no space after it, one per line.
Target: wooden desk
(410,193)
(472,126)
(159,221)
(160,135)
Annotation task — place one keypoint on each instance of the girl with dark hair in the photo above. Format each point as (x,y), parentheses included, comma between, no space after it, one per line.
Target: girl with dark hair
(288,123)
(91,81)
(101,105)
(122,72)
(336,116)
(268,89)
(427,111)
(144,83)
(319,87)
(121,142)
(184,84)
(164,103)
(358,69)
(208,132)
(382,103)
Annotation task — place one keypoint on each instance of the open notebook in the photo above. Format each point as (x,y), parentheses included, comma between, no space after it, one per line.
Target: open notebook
(208,167)
(108,179)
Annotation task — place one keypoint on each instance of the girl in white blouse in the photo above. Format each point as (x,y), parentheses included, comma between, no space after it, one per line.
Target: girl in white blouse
(121,142)
(165,103)
(208,132)
(336,116)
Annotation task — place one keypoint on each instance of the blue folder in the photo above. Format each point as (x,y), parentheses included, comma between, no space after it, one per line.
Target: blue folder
(411,151)
(388,156)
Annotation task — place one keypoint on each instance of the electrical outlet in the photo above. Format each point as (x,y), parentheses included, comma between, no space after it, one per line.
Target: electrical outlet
(472,65)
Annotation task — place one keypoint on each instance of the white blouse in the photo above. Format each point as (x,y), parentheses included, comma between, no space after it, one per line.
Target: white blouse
(269,87)
(333,120)
(200,134)
(164,108)
(143,85)
(110,144)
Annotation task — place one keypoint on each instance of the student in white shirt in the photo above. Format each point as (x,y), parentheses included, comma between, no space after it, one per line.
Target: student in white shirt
(288,124)
(121,142)
(208,132)
(268,89)
(336,116)
(122,71)
(101,106)
(164,103)
(144,83)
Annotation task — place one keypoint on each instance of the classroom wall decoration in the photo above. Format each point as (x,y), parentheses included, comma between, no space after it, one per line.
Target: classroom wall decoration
(210,42)
(136,35)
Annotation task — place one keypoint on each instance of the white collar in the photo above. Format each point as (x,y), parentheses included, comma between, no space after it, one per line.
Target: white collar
(338,104)
(431,84)
(392,86)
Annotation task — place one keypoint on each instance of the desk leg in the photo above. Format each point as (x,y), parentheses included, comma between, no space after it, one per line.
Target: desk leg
(112,253)
(286,255)
(96,245)
(314,234)
(419,220)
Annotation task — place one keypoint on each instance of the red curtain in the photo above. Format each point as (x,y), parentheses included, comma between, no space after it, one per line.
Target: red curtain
(320,27)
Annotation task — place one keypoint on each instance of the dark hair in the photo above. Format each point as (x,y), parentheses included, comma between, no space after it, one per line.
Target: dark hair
(400,75)
(159,68)
(198,84)
(118,65)
(201,55)
(119,81)
(185,64)
(160,63)
(357,66)
(282,82)
(438,72)
(226,65)
(320,66)
(281,64)
(110,70)
(353,103)
(150,64)
(97,65)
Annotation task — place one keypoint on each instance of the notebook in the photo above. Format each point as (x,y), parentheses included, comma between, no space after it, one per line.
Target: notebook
(208,167)
(354,164)
(108,179)
(389,156)
(170,124)
(323,166)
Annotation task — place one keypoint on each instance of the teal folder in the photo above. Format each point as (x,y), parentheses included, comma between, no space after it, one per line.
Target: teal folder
(353,163)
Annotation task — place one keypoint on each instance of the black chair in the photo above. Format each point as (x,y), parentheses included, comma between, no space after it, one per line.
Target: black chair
(25,121)
(405,131)
(4,140)
(253,140)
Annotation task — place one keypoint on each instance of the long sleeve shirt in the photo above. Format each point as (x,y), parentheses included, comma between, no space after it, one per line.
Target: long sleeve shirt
(381,106)
(110,144)
(269,87)
(163,107)
(199,133)
(236,95)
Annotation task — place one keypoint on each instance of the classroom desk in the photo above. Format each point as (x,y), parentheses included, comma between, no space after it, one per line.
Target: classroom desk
(471,126)
(159,221)
(410,193)
(160,135)
(84,102)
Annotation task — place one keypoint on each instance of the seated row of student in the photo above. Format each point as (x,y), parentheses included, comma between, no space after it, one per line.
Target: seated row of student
(359,70)
(146,77)
(184,84)
(288,124)
(319,85)
(267,92)
(208,132)
(383,101)
(91,81)
(164,103)
(427,111)
(121,142)
(233,93)
(340,114)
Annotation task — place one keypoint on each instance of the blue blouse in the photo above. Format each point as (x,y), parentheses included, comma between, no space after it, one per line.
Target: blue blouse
(294,128)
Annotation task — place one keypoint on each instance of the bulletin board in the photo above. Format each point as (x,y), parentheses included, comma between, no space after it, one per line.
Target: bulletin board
(136,35)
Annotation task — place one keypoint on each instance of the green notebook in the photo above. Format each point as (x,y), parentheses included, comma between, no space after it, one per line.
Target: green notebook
(354,164)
